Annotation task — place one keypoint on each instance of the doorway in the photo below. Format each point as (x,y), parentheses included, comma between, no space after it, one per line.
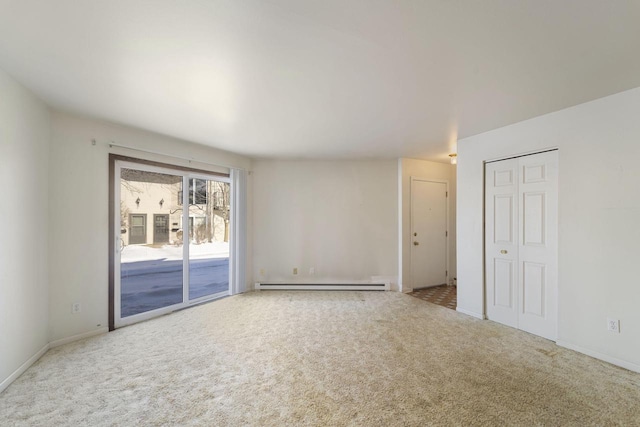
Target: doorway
(521,242)
(137,229)
(429,232)
(159,267)
(160,229)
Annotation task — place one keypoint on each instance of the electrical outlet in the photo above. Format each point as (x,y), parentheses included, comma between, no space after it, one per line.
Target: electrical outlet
(295,270)
(613,325)
(75,308)
(312,271)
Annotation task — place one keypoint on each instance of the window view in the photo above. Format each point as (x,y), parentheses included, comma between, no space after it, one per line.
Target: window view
(152,239)
(209,238)
(197,192)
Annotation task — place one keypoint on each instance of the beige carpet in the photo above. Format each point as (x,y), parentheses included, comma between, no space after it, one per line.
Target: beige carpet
(320,358)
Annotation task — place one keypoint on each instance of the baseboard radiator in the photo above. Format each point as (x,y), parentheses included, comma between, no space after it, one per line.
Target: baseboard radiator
(354,286)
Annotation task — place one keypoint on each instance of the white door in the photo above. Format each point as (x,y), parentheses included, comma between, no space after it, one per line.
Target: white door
(521,212)
(501,240)
(428,233)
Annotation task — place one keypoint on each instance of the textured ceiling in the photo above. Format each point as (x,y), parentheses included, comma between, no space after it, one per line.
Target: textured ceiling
(321,79)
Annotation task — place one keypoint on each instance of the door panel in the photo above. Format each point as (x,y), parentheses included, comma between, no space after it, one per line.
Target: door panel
(428,233)
(521,272)
(209,244)
(150,276)
(160,229)
(137,229)
(533,285)
(534,218)
(503,283)
(501,245)
(503,226)
(538,252)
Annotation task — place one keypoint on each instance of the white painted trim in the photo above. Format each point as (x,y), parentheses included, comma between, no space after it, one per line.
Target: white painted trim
(401,277)
(53,344)
(238,232)
(412,179)
(601,356)
(470,313)
(14,376)
(67,340)
(171,157)
(521,154)
(407,290)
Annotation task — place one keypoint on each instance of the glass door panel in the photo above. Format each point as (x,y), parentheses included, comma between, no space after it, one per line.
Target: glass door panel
(151,252)
(209,223)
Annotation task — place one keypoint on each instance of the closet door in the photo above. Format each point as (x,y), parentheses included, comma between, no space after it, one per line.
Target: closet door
(538,251)
(521,228)
(501,241)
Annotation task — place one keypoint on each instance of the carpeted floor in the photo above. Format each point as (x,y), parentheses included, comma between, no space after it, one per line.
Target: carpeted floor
(319,358)
(446,296)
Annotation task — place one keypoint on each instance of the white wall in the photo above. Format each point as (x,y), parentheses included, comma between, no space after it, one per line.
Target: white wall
(340,217)
(599,214)
(78,221)
(24,208)
(427,170)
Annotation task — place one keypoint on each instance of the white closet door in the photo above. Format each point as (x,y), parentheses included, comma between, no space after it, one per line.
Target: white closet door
(501,241)
(521,243)
(538,252)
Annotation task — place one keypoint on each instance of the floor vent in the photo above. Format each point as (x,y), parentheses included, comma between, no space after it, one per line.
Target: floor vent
(382,286)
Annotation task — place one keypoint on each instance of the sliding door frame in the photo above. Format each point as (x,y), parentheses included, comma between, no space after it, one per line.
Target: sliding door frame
(115,164)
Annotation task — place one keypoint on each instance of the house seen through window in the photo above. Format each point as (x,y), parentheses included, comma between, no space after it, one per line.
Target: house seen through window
(197,192)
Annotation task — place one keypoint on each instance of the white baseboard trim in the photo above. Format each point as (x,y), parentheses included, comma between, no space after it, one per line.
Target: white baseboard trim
(596,354)
(407,290)
(67,340)
(14,376)
(470,313)
(33,359)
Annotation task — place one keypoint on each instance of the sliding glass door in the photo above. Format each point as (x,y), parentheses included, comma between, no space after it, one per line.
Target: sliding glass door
(173,239)
(209,223)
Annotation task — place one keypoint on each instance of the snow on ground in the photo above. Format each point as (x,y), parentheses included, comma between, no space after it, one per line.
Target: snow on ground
(135,253)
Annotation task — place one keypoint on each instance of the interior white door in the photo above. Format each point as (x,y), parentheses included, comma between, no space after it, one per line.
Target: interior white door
(428,233)
(538,252)
(501,241)
(521,229)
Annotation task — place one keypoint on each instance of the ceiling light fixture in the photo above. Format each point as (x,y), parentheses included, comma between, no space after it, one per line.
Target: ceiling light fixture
(454,158)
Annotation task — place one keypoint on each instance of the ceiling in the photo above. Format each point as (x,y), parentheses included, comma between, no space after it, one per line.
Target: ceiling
(321,79)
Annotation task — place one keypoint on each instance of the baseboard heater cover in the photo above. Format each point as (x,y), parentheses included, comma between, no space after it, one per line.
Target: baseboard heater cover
(378,286)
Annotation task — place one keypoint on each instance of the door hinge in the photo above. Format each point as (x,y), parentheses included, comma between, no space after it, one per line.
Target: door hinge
(446,273)
(446,194)
(446,233)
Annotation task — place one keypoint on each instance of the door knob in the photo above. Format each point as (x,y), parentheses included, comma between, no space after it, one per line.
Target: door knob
(503,252)
(416,243)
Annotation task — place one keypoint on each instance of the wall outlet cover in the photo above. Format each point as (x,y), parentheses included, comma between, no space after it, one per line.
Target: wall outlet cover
(613,325)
